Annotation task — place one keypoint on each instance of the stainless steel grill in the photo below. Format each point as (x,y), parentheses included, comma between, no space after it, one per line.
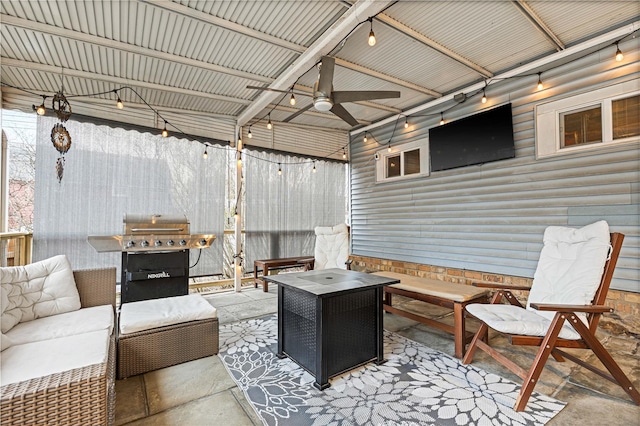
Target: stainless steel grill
(143,233)
(155,255)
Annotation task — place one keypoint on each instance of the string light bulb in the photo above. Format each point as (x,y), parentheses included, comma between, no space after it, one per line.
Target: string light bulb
(619,55)
(484,97)
(389,147)
(205,155)
(365,137)
(406,123)
(441,118)
(372,36)
(540,86)
(165,132)
(292,99)
(269,125)
(279,170)
(314,167)
(344,154)
(41,110)
(249,135)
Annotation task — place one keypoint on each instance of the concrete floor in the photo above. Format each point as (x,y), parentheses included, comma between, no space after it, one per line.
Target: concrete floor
(201,392)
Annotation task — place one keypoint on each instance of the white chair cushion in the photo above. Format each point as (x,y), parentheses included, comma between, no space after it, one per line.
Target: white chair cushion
(5,342)
(154,313)
(76,322)
(37,290)
(570,267)
(515,320)
(332,247)
(39,359)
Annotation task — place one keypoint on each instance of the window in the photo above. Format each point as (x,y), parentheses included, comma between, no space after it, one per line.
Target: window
(600,118)
(405,161)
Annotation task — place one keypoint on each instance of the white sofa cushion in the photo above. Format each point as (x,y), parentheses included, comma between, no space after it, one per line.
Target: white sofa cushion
(84,320)
(154,313)
(39,359)
(332,247)
(37,290)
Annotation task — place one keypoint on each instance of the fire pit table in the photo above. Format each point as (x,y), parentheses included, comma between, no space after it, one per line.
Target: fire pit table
(330,321)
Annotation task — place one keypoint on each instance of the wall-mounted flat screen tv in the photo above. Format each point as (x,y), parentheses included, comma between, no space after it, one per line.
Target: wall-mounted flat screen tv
(478,139)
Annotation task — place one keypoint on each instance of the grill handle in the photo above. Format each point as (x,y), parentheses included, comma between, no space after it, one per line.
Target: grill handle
(157,229)
(153,275)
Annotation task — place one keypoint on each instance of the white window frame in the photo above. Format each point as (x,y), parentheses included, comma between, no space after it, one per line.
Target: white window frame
(548,124)
(382,155)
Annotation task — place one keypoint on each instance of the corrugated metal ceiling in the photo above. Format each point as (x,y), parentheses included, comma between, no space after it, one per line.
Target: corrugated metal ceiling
(198,56)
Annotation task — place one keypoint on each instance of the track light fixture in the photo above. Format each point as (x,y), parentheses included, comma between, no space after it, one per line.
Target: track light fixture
(372,36)
(41,110)
(441,118)
(619,55)
(269,125)
(540,86)
(165,132)
(249,135)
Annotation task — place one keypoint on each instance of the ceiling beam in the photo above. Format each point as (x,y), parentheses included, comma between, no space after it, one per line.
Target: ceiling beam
(126,47)
(322,46)
(410,32)
(539,24)
(34,66)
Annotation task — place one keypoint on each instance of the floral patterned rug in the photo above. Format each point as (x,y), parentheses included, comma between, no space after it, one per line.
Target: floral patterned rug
(416,386)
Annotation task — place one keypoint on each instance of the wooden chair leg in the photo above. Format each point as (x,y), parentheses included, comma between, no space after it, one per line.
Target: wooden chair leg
(480,335)
(540,360)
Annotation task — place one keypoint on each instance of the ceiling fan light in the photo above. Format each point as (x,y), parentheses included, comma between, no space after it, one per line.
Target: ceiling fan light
(322,103)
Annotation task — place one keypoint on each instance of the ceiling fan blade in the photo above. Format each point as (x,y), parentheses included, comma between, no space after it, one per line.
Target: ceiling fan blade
(297,113)
(325,80)
(268,89)
(339,110)
(362,95)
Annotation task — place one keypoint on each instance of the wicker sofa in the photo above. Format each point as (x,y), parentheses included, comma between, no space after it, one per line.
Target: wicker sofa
(80,395)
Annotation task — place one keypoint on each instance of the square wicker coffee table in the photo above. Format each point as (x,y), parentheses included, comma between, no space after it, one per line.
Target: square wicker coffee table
(330,321)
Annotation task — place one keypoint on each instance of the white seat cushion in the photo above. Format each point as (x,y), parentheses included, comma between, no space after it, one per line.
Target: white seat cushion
(37,290)
(154,313)
(39,359)
(76,322)
(332,247)
(515,320)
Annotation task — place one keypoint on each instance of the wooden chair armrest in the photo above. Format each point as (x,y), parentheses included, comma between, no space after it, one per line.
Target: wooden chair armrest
(501,286)
(96,286)
(594,309)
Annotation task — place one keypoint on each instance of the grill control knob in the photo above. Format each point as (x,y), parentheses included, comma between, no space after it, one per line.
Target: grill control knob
(183,243)
(130,244)
(144,243)
(158,243)
(203,242)
(170,243)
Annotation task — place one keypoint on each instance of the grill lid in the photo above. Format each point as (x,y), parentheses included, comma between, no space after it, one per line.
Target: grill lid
(155,224)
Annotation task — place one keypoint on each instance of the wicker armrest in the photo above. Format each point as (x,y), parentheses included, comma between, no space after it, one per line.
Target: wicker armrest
(96,286)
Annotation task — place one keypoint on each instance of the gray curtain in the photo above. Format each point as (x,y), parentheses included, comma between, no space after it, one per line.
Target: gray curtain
(109,172)
(283,210)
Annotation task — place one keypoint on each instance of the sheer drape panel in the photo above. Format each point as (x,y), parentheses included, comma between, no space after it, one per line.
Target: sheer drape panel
(283,210)
(109,172)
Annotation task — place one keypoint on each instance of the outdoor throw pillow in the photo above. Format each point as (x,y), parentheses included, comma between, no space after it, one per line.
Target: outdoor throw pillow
(37,290)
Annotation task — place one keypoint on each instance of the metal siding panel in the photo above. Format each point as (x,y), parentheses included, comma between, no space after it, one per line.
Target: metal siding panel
(491,217)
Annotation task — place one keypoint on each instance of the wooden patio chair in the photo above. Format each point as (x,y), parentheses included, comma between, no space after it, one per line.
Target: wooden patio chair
(563,309)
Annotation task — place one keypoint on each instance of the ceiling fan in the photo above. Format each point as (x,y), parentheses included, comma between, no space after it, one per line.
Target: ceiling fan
(326,99)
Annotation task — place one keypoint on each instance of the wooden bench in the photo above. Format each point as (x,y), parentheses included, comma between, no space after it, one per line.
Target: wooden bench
(288,262)
(441,293)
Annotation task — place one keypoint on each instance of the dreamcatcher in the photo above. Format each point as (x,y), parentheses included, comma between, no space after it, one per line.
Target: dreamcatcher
(60,136)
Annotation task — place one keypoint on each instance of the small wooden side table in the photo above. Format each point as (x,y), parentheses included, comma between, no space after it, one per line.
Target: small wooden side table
(287,262)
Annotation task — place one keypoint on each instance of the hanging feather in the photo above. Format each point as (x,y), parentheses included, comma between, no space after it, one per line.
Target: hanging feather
(60,168)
